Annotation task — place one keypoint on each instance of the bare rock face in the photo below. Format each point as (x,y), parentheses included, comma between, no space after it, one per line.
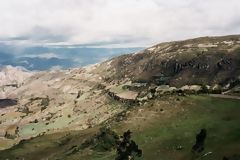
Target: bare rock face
(11,78)
(13,75)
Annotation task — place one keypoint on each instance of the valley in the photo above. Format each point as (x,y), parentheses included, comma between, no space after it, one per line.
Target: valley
(164,94)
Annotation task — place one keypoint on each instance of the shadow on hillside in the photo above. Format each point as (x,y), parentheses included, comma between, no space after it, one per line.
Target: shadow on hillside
(7,103)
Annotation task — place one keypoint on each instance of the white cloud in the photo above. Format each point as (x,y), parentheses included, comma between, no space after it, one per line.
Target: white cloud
(53,68)
(43,55)
(129,22)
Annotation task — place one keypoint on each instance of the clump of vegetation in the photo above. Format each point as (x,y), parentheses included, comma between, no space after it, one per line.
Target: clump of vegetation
(35,121)
(127,148)
(44,103)
(63,141)
(79,94)
(105,140)
(99,86)
(216,91)
(204,89)
(25,110)
(74,149)
(200,139)
(121,116)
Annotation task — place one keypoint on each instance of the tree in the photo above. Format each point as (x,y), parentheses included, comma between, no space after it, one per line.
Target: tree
(127,149)
(200,139)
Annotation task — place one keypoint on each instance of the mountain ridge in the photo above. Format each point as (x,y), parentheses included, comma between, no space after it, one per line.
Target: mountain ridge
(185,54)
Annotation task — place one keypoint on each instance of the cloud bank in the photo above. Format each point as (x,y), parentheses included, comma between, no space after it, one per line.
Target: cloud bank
(44,34)
(114,22)
(45,57)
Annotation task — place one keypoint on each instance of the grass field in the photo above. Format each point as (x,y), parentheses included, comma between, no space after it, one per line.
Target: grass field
(159,128)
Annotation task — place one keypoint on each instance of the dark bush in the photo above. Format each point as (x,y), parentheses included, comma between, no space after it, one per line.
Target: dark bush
(105,140)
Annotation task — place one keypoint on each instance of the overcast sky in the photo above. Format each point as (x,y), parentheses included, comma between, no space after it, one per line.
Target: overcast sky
(125,23)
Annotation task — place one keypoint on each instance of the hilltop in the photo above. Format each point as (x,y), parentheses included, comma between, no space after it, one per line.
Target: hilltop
(206,60)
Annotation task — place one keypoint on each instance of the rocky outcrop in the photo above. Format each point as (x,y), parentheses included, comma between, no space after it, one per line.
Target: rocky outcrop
(12,78)
(124,100)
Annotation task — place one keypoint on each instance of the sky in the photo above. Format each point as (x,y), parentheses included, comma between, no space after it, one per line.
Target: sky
(112,23)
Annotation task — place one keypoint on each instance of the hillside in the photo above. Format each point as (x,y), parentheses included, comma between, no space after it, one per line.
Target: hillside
(164,129)
(207,60)
(130,91)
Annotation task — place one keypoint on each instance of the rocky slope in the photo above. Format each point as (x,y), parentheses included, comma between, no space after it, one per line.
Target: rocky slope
(81,98)
(54,101)
(11,78)
(207,60)
(13,75)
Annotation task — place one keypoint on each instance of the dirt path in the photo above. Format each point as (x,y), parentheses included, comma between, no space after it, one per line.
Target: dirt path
(225,96)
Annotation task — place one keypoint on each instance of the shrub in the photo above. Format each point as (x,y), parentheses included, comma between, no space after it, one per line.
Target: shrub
(44,103)
(104,140)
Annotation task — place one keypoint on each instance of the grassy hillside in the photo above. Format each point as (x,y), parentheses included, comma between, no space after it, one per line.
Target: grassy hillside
(164,129)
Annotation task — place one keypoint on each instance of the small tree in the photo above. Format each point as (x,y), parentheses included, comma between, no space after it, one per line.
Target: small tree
(200,139)
(127,149)
(204,89)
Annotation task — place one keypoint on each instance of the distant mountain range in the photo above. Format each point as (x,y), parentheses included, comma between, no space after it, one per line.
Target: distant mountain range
(60,57)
